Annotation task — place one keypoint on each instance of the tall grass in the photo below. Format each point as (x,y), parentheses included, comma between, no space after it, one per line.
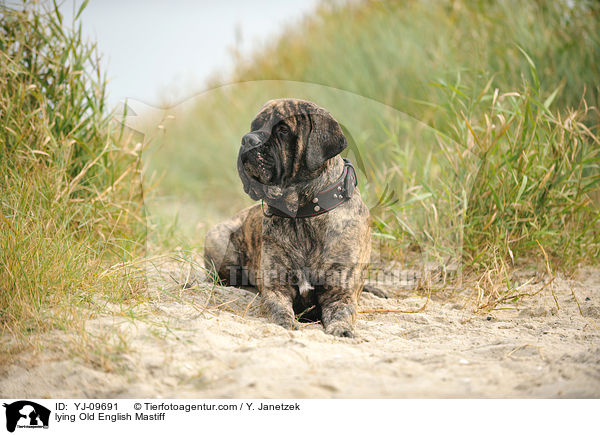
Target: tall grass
(70,197)
(537,184)
(521,181)
(400,53)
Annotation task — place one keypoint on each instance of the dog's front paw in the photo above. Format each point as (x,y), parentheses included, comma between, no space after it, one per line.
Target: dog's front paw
(288,322)
(340,329)
(375,291)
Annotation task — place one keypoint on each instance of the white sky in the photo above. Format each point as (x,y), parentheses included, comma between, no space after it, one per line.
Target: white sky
(162,51)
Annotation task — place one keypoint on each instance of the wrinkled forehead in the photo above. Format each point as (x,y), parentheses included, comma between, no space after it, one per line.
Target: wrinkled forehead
(276,111)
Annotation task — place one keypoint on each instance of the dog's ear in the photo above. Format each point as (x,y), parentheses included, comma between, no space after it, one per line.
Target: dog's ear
(325,140)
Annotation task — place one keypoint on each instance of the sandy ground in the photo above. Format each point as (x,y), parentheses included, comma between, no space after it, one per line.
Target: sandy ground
(209,341)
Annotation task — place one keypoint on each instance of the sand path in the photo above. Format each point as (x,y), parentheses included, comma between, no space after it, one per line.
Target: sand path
(210,342)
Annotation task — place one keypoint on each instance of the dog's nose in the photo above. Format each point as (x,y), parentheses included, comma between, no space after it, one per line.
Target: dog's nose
(250,141)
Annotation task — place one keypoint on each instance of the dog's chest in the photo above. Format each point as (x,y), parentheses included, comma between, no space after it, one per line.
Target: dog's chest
(300,241)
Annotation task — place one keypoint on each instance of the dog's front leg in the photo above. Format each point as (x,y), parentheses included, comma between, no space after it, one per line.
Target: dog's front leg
(276,295)
(277,305)
(338,300)
(338,312)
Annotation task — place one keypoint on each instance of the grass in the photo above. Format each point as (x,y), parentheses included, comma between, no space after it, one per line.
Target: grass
(70,186)
(403,53)
(474,125)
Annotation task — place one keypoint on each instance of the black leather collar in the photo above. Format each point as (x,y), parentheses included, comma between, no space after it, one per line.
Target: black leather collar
(326,200)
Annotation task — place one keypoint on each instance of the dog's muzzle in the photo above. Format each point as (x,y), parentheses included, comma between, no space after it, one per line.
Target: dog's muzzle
(251,141)
(257,161)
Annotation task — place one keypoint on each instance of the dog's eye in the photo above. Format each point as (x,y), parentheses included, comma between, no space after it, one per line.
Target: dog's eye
(283,129)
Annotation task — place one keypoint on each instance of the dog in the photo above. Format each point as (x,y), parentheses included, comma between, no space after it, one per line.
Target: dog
(306,245)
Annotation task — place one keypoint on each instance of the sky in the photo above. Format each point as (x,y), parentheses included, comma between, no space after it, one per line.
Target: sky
(162,52)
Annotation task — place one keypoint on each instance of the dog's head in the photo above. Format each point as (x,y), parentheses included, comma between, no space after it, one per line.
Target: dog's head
(288,144)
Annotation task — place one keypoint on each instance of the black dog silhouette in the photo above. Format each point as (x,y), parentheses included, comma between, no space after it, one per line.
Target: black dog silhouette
(13,414)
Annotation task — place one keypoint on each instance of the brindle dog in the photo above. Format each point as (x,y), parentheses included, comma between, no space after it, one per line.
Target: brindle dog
(314,266)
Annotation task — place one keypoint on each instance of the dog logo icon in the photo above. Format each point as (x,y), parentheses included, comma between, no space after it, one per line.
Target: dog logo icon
(26,414)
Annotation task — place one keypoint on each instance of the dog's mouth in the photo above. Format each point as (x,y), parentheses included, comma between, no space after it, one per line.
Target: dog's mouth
(262,166)
(260,173)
